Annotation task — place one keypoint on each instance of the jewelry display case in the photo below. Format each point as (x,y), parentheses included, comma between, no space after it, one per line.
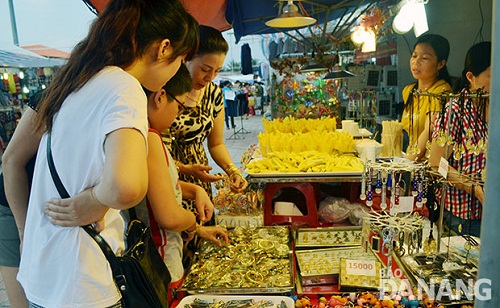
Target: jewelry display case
(322,266)
(328,237)
(257,261)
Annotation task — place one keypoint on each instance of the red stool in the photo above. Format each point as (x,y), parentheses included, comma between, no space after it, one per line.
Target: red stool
(310,192)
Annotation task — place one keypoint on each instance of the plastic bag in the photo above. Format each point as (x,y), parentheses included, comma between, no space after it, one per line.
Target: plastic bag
(336,210)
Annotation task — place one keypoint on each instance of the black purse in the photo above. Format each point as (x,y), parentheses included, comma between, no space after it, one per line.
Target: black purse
(140,274)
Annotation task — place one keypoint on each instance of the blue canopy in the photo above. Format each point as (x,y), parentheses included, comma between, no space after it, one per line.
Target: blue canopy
(249,17)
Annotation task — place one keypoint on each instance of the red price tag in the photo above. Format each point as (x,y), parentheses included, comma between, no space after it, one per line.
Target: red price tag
(360,268)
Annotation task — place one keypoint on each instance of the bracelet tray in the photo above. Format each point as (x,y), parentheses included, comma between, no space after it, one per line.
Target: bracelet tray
(257,261)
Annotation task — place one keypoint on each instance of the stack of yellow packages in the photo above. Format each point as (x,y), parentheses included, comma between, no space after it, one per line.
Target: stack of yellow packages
(304,145)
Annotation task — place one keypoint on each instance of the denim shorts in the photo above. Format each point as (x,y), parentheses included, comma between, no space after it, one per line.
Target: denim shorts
(9,239)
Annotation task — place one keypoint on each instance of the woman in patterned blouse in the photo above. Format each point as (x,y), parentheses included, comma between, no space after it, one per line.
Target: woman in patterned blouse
(203,120)
(467,126)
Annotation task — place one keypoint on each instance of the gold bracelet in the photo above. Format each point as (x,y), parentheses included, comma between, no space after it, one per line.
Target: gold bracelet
(192,232)
(178,165)
(231,168)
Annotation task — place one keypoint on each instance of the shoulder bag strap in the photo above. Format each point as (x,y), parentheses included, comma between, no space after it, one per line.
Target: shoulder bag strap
(108,252)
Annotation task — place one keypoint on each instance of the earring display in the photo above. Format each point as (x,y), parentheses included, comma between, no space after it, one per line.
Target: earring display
(322,266)
(328,237)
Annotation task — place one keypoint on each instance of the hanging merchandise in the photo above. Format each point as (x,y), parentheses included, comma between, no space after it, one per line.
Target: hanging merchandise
(246,59)
(12,83)
(264,71)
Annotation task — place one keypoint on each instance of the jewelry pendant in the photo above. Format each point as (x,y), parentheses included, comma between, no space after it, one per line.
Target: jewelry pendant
(441,139)
(477,150)
(459,228)
(485,145)
(461,149)
(425,190)
(457,155)
(383,204)
(480,144)
(414,183)
(378,184)
(449,140)
(362,196)
(469,133)
(369,201)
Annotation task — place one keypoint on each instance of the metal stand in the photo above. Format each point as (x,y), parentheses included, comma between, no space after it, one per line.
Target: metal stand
(242,130)
(236,133)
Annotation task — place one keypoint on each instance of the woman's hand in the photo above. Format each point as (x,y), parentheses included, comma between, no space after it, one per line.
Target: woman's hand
(217,235)
(237,182)
(204,205)
(79,210)
(202,172)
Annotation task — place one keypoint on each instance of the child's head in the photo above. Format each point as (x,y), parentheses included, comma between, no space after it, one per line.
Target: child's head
(166,104)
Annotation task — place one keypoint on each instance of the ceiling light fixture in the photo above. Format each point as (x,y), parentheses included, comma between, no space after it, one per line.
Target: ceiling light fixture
(365,37)
(313,67)
(290,18)
(411,15)
(338,73)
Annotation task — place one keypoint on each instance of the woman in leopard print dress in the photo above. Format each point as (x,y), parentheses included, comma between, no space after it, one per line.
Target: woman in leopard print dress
(203,120)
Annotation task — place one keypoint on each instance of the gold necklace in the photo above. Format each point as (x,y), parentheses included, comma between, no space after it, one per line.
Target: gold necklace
(196,101)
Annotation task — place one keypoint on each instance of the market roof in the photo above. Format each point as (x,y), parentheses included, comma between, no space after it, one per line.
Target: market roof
(11,59)
(249,17)
(47,51)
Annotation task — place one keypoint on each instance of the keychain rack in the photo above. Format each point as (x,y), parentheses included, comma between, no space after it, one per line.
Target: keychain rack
(386,175)
(405,229)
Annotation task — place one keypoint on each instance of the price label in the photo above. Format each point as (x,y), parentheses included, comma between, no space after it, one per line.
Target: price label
(360,268)
(443,167)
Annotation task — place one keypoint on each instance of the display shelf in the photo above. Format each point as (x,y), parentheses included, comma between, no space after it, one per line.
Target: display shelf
(305,177)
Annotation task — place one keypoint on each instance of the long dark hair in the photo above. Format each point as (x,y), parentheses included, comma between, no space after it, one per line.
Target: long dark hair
(477,60)
(211,41)
(122,33)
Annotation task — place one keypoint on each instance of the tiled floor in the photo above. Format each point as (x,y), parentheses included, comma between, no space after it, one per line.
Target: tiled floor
(236,145)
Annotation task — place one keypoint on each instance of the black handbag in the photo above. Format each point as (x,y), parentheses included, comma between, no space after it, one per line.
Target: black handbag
(140,274)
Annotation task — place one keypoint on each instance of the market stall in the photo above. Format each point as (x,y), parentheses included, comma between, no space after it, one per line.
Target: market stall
(22,73)
(375,248)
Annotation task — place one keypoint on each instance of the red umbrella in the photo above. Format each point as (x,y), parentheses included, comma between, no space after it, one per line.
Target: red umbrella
(211,13)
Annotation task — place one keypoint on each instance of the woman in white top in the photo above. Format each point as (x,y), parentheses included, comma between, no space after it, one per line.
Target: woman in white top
(95,109)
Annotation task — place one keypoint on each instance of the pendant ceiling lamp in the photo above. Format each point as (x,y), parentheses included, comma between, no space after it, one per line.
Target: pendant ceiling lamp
(313,67)
(290,18)
(339,73)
